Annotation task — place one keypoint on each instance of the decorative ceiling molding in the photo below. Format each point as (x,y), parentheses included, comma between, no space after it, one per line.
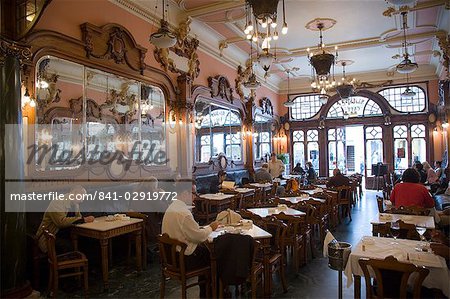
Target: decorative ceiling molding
(213,8)
(391,11)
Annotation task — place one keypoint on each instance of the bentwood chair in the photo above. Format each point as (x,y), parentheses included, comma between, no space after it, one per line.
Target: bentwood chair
(392,278)
(412,210)
(294,240)
(407,230)
(345,201)
(173,266)
(380,204)
(58,265)
(277,262)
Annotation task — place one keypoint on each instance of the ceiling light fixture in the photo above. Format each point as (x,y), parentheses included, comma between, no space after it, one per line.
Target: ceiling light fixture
(408,94)
(406,66)
(322,62)
(261,24)
(289,103)
(163,38)
(346,88)
(400,2)
(252,83)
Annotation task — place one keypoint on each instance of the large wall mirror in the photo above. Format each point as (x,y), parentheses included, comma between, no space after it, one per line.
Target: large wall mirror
(84,108)
(262,136)
(218,131)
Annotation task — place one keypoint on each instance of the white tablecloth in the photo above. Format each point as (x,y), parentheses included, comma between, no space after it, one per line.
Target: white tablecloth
(216,196)
(438,277)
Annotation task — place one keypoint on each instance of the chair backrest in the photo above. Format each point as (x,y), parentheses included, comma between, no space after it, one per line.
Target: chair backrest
(407,230)
(293,224)
(392,277)
(171,253)
(411,210)
(51,250)
(344,193)
(380,204)
(277,229)
(309,209)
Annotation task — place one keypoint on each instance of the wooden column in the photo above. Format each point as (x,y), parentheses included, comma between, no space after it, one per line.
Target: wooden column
(248,123)
(13,224)
(184,134)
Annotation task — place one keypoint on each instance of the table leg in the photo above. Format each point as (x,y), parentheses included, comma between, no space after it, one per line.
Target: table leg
(375,230)
(138,241)
(267,275)
(105,268)
(74,238)
(357,286)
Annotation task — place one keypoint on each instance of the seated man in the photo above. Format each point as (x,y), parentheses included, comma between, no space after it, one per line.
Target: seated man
(179,224)
(57,217)
(276,166)
(411,192)
(263,175)
(338,179)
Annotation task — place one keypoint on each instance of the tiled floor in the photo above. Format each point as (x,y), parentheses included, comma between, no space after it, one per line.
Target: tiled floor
(315,280)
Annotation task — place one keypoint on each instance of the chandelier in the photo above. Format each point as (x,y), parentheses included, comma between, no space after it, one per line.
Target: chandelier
(261,23)
(289,103)
(322,61)
(346,88)
(408,94)
(252,83)
(406,66)
(163,38)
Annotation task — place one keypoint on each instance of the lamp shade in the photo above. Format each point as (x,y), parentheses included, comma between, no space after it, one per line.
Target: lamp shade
(266,60)
(407,66)
(322,63)
(345,91)
(288,104)
(408,94)
(163,38)
(252,82)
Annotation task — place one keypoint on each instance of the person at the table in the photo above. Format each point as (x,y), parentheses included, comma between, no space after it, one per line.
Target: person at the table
(411,192)
(276,166)
(311,176)
(179,224)
(298,170)
(59,216)
(262,175)
(338,179)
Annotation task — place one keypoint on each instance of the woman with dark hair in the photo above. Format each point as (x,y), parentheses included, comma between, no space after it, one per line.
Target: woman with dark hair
(423,175)
(410,192)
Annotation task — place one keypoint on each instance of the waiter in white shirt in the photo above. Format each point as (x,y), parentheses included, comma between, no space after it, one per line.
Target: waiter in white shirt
(276,167)
(179,224)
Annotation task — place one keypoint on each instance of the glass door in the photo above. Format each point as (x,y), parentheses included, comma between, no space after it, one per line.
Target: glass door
(337,150)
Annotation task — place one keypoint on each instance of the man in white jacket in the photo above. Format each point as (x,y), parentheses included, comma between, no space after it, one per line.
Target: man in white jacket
(276,167)
(179,224)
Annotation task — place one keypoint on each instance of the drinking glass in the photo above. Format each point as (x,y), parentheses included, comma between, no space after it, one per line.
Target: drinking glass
(395,231)
(421,231)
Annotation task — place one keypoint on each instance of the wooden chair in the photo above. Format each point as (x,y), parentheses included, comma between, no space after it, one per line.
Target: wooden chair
(173,266)
(277,263)
(203,212)
(345,201)
(257,272)
(307,230)
(320,219)
(407,230)
(37,257)
(380,204)
(332,198)
(73,260)
(294,239)
(392,278)
(412,210)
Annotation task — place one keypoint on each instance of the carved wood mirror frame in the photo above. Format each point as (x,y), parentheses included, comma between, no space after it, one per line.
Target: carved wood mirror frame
(110,48)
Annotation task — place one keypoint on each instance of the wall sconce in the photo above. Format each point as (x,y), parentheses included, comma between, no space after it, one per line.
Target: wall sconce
(435,131)
(321,123)
(27,99)
(445,125)
(387,120)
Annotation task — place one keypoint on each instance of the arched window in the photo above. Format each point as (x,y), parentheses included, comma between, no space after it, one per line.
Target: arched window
(221,117)
(305,107)
(354,107)
(414,104)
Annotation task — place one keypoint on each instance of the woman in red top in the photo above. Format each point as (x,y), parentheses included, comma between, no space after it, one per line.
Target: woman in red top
(411,192)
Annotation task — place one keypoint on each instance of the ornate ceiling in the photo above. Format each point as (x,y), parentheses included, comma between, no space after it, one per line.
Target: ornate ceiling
(366,31)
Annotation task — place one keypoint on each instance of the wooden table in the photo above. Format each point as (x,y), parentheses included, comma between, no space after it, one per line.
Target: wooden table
(264,212)
(404,251)
(381,218)
(256,233)
(296,199)
(265,186)
(323,186)
(220,200)
(103,231)
(311,191)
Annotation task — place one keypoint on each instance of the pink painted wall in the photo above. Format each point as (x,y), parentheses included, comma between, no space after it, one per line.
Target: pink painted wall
(65,16)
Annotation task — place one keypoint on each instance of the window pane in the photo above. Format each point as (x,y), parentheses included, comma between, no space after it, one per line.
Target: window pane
(400,132)
(374,153)
(218,146)
(417,131)
(419,149)
(299,153)
(205,153)
(298,136)
(331,156)
(305,107)
(354,107)
(313,154)
(393,97)
(374,133)
(312,135)
(341,156)
(400,154)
